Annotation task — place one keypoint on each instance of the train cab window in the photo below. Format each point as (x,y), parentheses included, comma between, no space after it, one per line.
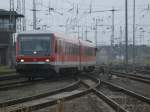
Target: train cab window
(34,45)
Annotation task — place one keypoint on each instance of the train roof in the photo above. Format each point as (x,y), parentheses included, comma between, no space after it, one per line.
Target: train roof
(34,32)
(87,43)
(74,40)
(59,35)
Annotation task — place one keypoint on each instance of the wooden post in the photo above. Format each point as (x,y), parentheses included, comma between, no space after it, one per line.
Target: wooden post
(60,105)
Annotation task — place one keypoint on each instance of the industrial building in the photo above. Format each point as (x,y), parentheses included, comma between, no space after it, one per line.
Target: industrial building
(7,28)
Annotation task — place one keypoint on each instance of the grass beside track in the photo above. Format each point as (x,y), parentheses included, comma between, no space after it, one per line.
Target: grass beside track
(6,70)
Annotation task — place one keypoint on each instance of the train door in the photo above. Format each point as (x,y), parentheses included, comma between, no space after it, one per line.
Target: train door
(60,50)
(56,50)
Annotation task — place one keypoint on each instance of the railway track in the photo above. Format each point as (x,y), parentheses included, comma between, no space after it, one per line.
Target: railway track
(42,98)
(11,82)
(75,90)
(129,100)
(145,72)
(10,77)
(41,95)
(117,107)
(21,83)
(132,76)
(83,86)
(80,88)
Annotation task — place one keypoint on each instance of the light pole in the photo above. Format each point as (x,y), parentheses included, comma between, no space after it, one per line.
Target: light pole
(34,15)
(113,27)
(24,13)
(96,32)
(11,30)
(133,35)
(126,33)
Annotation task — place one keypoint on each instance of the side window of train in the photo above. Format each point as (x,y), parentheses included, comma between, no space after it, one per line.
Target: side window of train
(75,52)
(72,49)
(66,52)
(59,47)
(90,51)
(93,51)
(69,49)
(65,48)
(56,47)
(86,49)
(76,49)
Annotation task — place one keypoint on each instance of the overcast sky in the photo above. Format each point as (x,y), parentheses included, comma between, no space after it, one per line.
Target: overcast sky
(66,14)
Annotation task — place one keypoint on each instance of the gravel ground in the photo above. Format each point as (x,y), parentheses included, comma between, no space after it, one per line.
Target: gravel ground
(33,89)
(88,103)
(136,86)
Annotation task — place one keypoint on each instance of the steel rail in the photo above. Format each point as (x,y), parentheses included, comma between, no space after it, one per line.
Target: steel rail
(135,75)
(10,77)
(18,84)
(129,92)
(53,102)
(12,83)
(143,71)
(109,101)
(132,76)
(106,99)
(90,89)
(25,99)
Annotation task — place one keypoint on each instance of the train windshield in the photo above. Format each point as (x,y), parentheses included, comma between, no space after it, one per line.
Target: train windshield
(34,45)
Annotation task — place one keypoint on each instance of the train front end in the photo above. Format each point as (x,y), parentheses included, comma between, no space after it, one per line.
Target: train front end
(34,54)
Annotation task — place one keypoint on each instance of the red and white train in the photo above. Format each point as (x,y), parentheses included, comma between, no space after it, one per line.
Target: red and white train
(48,53)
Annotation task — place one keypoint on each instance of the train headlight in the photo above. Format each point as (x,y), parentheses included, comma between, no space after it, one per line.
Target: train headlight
(47,60)
(22,60)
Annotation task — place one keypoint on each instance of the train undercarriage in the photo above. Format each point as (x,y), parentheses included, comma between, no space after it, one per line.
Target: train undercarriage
(32,71)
